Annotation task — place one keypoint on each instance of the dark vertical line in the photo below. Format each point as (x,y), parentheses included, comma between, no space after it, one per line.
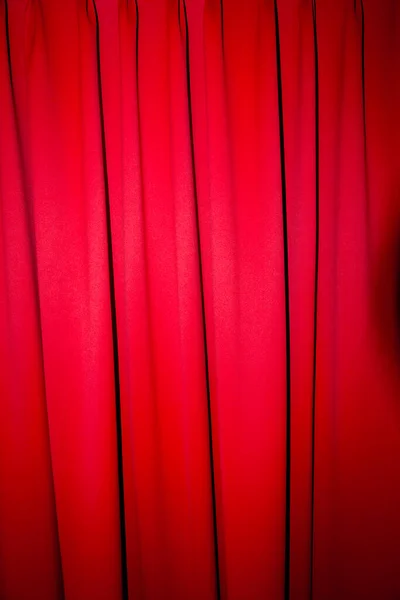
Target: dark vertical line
(367,197)
(287,306)
(124,569)
(221,2)
(314,385)
(203,313)
(32,249)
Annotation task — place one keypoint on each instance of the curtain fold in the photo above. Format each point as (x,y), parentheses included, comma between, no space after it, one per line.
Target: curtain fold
(199,304)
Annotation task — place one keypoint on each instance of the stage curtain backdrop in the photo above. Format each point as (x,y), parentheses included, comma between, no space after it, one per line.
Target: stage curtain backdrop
(199,331)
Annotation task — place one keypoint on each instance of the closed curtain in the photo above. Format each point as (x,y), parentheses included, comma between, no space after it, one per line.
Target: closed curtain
(199,299)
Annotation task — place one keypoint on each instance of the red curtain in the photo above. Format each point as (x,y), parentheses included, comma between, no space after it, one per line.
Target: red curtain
(199,299)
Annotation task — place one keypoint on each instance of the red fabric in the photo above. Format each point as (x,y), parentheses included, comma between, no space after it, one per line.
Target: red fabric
(153,254)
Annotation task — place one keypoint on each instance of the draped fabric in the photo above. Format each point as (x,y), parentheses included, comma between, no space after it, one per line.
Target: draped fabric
(199,299)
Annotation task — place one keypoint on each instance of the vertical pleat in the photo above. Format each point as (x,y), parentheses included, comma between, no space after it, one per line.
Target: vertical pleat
(354,466)
(165,442)
(28,516)
(60,129)
(299,110)
(341,171)
(245,290)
